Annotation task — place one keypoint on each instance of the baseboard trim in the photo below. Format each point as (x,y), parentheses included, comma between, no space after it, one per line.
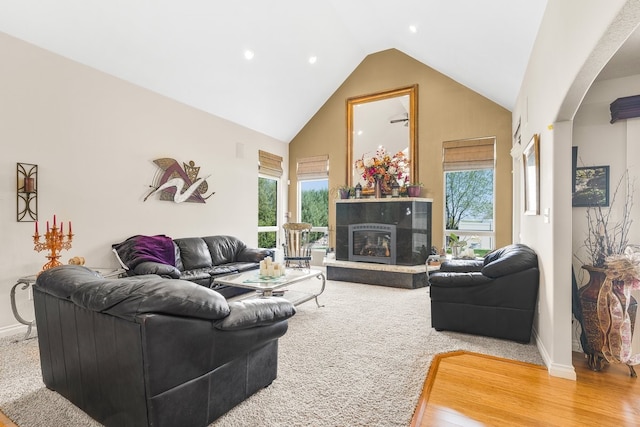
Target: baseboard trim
(13,330)
(555,370)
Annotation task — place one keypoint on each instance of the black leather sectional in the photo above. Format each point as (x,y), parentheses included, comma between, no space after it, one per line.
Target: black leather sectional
(149,351)
(197,259)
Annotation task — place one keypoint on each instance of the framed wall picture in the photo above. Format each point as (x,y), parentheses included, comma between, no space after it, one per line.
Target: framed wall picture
(574,165)
(592,186)
(531,160)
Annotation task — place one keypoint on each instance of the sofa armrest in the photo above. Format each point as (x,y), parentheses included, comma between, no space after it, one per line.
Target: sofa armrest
(457,280)
(250,313)
(253,254)
(462,265)
(160,269)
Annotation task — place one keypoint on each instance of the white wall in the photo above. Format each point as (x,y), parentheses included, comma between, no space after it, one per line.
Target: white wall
(601,143)
(94,138)
(561,69)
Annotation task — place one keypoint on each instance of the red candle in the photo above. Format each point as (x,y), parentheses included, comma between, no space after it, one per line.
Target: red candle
(61,227)
(70,227)
(36,227)
(54,220)
(47,226)
(29,185)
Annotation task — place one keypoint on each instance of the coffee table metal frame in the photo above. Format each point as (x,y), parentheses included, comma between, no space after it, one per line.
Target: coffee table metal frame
(266,287)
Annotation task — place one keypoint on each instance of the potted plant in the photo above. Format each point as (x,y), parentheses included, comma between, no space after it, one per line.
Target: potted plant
(414,189)
(344,191)
(456,245)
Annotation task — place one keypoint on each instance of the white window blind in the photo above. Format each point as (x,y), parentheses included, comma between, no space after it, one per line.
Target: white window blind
(468,154)
(269,164)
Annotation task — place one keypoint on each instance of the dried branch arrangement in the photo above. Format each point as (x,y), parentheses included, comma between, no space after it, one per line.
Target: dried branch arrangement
(605,236)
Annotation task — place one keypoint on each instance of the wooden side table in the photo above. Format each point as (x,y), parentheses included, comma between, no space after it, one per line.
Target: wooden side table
(28,281)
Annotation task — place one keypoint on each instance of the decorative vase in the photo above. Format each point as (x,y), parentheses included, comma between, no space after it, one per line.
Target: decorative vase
(378,189)
(591,327)
(344,193)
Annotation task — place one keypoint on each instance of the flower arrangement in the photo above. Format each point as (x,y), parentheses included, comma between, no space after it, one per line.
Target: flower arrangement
(384,168)
(605,237)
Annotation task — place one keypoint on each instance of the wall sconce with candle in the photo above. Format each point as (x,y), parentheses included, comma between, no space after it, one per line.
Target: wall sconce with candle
(27,192)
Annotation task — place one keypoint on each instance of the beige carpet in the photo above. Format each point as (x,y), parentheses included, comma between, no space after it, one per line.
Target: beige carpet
(359,361)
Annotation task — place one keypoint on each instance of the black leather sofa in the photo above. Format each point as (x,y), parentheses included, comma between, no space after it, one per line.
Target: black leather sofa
(494,297)
(197,259)
(149,351)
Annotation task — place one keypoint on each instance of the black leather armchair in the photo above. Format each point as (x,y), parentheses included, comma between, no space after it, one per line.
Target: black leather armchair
(494,297)
(149,351)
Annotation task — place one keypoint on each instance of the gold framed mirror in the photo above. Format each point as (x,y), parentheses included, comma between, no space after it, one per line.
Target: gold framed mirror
(388,119)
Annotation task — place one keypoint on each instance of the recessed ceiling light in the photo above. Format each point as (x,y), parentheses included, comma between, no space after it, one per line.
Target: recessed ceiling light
(413,29)
(248,54)
(313,59)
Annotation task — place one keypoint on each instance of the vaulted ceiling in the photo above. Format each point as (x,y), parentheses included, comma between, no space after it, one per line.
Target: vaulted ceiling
(194,51)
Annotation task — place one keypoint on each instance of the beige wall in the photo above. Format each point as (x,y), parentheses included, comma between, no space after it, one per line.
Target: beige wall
(447,111)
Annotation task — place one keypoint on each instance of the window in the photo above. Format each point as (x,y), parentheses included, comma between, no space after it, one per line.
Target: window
(469,192)
(314,209)
(267,212)
(313,197)
(270,172)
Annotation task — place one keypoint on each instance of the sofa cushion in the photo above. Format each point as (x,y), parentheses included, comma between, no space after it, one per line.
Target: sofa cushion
(165,270)
(224,249)
(128,297)
(508,260)
(194,253)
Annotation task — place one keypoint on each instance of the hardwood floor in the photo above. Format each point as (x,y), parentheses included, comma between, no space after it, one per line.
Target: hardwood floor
(468,389)
(6,422)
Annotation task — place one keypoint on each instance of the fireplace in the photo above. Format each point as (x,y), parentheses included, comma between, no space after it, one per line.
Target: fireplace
(372,242)
(404,223)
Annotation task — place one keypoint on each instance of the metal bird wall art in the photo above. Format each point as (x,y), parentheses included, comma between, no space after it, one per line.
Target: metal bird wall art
(180,184)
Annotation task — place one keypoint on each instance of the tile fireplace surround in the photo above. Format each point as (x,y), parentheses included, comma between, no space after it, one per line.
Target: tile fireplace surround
(382,241)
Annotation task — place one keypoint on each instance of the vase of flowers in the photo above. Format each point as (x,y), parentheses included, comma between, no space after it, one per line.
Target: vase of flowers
(383,170)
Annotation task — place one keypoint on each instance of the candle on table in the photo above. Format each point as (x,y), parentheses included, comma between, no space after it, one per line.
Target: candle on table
(54,220)
(70,227)
(36,227)
(61,227)
(47,226)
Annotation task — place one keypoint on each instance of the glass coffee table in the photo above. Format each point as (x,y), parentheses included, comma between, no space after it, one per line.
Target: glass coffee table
(268,287)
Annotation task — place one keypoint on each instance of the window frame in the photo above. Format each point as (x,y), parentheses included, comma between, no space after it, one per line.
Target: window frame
(278,227)
(315,229)
(469,233)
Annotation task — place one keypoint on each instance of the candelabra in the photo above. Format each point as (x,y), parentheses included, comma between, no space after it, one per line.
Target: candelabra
(54,241)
